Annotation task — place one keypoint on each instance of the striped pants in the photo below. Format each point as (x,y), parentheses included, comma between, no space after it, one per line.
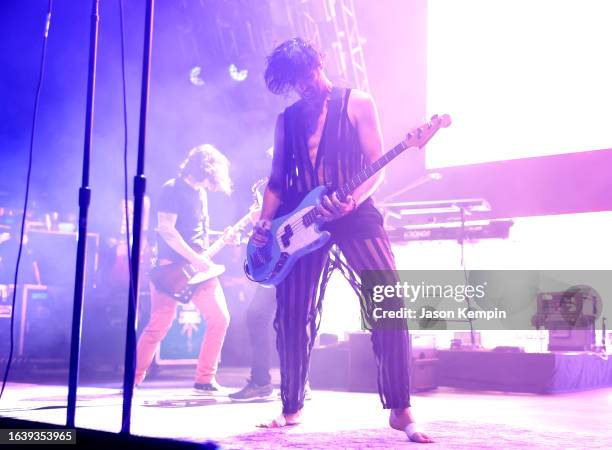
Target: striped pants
(296,323)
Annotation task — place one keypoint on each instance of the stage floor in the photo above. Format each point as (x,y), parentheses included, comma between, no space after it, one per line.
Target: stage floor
(456,419)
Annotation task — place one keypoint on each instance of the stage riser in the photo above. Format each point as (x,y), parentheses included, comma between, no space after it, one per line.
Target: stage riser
(538,373)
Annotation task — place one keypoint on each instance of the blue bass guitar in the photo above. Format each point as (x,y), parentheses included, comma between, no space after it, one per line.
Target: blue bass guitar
(299,232)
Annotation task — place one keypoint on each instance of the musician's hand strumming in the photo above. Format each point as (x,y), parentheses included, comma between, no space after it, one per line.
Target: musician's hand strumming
(202,263)
(261,233)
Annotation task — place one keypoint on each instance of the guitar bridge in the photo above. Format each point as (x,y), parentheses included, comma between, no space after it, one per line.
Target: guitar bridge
(281,263)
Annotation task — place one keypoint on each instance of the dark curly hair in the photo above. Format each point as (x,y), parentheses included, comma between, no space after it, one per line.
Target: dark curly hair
(290,62)
(206,162)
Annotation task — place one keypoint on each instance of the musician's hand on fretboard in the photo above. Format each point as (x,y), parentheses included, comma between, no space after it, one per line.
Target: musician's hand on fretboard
(331,208)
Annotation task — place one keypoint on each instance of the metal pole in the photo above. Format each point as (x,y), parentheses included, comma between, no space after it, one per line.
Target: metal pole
(139,192)
(84,199)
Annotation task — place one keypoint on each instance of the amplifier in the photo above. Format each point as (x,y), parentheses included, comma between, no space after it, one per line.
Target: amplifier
(42,322)
(45,323)
(329,367)
(6,312)
(571,340)
(362,365)
(49,258)
(423,375)
(569,317)
(56,252)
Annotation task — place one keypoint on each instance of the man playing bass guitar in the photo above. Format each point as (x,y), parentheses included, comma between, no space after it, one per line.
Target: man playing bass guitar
(325,138)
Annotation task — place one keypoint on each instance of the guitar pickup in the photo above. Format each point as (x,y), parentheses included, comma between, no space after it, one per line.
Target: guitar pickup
(286,236)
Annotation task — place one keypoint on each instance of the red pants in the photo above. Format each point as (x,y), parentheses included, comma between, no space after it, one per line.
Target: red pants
(209,299)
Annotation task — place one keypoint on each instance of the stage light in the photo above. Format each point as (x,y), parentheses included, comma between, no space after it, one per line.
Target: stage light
(195,76)
(237,75)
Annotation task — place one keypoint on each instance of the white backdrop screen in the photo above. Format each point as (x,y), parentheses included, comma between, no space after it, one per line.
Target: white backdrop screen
(519,78)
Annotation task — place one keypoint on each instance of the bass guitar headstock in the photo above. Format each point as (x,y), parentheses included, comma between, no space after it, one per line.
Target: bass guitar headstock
(419,136)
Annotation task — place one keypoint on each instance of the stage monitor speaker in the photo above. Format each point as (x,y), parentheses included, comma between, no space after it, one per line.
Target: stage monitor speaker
(362,364)
(329,367)
(363,372)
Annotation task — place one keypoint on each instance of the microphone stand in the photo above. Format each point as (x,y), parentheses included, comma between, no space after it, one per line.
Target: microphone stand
(84,200)
(139,192)
(462,239)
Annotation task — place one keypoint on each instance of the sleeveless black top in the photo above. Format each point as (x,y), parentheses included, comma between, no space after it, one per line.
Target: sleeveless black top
(191,207)
(339,157)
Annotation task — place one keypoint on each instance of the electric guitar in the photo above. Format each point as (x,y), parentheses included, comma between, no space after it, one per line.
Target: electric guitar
(180,280)
(298,233)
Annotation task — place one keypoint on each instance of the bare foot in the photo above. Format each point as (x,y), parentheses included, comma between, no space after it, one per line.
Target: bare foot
(399,419)
(284,420)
